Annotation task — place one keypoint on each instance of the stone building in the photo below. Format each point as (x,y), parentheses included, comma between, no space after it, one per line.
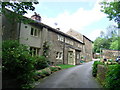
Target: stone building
(64,48)
(86,47)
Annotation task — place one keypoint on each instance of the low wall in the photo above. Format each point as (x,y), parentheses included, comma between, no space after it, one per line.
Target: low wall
(101,72)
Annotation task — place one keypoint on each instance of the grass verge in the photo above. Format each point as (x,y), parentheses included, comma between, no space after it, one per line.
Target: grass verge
(66,66)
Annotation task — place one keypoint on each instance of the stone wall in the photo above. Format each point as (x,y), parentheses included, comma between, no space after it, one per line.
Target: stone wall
(87,49)
(110,54)
(101,72)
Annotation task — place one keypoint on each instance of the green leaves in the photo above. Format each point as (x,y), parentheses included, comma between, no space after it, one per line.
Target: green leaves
(94,68)
(112,9)
(41,62)
(113,77)
(18,10)
(17,62)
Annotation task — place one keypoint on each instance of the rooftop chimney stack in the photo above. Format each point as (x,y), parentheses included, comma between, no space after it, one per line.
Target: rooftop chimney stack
(36,17)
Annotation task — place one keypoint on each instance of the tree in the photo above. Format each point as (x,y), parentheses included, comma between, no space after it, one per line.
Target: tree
(101,43)
(18,9)
(112,9)
(102,34)
(15,13)
(115,45)
(112,31)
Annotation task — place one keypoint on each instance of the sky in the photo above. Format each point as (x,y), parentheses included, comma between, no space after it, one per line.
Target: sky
(83,16)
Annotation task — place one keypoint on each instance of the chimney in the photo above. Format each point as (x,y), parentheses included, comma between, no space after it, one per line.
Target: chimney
(58,28)
(36,17)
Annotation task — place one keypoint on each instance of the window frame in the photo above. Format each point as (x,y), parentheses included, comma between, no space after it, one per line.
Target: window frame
(34,32)
(34,51)
(59,55)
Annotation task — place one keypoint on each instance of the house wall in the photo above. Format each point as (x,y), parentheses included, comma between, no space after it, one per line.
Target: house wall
(26,37)
(72,46)
(87,49)
(9,30)
(75,34)
(56,46)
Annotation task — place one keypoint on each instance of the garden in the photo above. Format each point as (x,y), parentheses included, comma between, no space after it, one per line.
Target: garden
(20,69)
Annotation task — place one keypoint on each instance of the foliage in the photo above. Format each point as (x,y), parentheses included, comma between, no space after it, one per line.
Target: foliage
(45,48)
(94,68)
(18,9)
(112,9)
(113,77)
(54,68)
(63,66)
(45,72)
(115,45)
(109,40)
(101,43)
(41,62)
(17,62)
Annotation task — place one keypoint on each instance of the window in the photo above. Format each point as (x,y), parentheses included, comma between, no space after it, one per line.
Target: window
(59,55)
(60,38)
(69,41)
(34,32)
(79,45)
(34,51)
(78,56)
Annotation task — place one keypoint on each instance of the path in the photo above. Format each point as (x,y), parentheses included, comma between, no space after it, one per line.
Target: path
(75,77)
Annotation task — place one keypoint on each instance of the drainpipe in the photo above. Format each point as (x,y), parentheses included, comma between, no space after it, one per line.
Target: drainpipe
(19,32)
(64,51)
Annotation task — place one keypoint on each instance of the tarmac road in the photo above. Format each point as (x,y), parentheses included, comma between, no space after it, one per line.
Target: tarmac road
(76,77)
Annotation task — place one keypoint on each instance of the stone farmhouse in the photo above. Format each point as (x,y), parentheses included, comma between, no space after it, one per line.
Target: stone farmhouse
(65,48)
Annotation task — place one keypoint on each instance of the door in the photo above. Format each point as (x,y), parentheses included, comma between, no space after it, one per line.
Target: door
(70,58)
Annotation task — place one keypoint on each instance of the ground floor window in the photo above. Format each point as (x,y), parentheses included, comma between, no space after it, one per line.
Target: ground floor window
(59,55)
(34,51)
(78,56)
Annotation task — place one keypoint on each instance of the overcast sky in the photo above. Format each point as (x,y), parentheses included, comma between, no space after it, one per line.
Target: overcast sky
(83,16)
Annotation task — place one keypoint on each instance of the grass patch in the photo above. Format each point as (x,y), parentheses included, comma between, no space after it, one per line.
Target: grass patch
(66,66)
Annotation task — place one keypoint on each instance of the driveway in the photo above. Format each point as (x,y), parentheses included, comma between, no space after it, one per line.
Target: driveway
(76,77)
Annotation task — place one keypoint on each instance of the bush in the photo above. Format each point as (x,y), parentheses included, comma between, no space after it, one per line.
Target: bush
(17,63)
(41,62)
(113,77)
(94,68)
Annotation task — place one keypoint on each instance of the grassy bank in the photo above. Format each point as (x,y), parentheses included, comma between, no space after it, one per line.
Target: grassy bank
(66,66)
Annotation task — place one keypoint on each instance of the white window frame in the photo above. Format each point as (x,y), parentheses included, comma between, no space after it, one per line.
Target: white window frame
(59,55)
(35,32)
(60,38)
(32,49)
(78,56)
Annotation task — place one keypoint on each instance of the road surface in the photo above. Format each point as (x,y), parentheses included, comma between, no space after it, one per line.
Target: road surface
(76,77)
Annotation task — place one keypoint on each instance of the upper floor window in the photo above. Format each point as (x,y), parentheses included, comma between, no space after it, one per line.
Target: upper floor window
(79,45)
(34,32)
(60,38)
(69,41)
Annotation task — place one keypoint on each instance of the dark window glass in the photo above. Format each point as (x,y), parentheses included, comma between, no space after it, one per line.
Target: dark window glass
(32,31)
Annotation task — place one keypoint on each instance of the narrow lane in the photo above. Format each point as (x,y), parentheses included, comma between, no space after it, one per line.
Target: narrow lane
(75,77)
